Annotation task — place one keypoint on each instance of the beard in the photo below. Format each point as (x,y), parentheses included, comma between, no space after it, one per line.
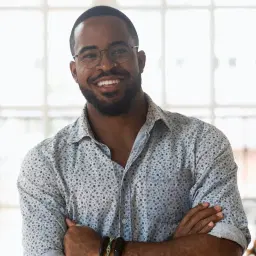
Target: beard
(115,108)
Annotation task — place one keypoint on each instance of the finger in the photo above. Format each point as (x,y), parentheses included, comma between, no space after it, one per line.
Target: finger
(203,223)
(201,215)
(70,223)
(207,228)
(193,211)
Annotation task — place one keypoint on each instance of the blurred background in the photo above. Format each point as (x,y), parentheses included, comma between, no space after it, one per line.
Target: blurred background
(201,61)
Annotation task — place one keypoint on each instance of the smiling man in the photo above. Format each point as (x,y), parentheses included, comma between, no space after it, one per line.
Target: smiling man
(158,183)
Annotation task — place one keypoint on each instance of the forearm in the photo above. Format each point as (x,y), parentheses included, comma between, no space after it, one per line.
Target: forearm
(193,245)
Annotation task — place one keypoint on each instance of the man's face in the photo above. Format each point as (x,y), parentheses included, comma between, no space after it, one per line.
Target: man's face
(109,86)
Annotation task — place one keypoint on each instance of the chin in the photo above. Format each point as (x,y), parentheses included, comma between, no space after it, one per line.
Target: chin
(111,103)
(113,107)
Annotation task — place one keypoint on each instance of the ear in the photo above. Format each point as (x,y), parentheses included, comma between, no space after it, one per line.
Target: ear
(141,60)
(72,67)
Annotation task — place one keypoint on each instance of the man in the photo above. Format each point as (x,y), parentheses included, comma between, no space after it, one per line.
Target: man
(126,168)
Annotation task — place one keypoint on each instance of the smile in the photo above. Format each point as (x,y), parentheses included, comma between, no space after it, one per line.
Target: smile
(107,83)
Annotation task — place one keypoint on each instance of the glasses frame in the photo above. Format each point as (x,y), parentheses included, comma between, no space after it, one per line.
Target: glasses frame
(107,50)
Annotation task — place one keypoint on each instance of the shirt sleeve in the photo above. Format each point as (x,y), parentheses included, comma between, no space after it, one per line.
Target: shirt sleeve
(42,207)
(216,183)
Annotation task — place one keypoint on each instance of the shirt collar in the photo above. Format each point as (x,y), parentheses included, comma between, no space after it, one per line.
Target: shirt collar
(81,128)
(155,113)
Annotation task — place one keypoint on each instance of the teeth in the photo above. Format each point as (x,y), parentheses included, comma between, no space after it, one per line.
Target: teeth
(108,82)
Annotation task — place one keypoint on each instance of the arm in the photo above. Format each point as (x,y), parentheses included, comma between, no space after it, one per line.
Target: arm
(84,241)
(194,245)
(42,207)
(215,182)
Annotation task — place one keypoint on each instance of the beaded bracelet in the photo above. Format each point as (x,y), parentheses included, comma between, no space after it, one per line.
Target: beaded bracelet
(109,248)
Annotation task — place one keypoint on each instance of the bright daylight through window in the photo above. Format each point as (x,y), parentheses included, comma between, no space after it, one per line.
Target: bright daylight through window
(200,62)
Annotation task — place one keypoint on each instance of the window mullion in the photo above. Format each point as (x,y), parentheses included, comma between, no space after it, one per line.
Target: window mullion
(45,66)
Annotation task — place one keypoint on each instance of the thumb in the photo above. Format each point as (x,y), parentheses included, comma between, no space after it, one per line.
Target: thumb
(70,223)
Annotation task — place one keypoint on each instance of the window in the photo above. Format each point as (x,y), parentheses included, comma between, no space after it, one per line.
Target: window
(21,58)
(62,91)
(187,54)
(145,22)
(17,135)
(236,56)
(201,61)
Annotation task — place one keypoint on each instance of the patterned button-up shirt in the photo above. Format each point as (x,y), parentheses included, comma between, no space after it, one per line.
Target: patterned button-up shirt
(176,162)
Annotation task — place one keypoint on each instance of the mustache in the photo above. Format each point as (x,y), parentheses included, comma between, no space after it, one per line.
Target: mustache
(113,72)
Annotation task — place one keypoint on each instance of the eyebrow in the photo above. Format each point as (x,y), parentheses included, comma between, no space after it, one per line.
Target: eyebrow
(118,42)
(86,48)
(92,47)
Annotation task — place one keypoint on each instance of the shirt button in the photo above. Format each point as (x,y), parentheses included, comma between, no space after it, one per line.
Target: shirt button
(124,221)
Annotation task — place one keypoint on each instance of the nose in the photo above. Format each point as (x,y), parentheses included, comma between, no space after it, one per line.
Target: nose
(105,63)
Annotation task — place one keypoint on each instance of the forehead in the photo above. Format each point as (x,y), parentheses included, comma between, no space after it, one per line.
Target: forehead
(101,31)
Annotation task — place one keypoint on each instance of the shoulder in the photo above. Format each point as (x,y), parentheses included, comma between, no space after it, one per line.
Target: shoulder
(49,148)
(193,127)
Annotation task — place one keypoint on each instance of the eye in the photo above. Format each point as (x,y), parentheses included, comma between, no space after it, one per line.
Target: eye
(119,51)
(89,56)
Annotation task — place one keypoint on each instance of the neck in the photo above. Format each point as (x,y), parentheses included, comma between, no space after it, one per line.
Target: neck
(126,126)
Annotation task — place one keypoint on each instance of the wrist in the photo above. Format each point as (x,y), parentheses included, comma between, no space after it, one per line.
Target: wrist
(96,249)
(118,247)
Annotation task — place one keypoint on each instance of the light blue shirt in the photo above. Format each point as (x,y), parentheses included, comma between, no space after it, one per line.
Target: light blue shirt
(176,162)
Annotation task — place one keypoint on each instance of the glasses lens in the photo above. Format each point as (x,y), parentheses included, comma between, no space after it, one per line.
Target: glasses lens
(119,53)
(90,58)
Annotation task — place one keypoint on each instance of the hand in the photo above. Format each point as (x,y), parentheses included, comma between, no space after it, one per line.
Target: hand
(81,241)
(199,220)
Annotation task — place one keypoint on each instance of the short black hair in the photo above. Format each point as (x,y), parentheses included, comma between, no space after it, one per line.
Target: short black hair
(102,10)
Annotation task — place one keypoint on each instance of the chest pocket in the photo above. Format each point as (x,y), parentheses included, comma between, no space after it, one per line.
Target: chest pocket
(165,196)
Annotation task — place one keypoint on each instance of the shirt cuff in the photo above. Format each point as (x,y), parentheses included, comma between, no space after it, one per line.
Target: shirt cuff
(230,232)
(53,253)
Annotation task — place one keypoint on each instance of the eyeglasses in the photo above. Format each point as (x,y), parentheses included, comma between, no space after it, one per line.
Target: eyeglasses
(118,53)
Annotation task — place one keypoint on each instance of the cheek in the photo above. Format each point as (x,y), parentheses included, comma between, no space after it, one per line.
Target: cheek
(132,68)
(83,74)
(136,68)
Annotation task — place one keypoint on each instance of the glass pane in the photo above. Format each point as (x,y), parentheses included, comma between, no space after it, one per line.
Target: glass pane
(63,89)
(234,129)
(187,57)
(10,113)
(252,166)
(194,112)
(250,134)
(10,3)
(65,113)
(235,2)
(247,174)
(152,76)
(249,203)
(17,136)
(189,2)
(236,54)
(246,123)
(10,232)
(240,161)
(68,3)
(56,124)
(21,53)
(139,2)
(234,112)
